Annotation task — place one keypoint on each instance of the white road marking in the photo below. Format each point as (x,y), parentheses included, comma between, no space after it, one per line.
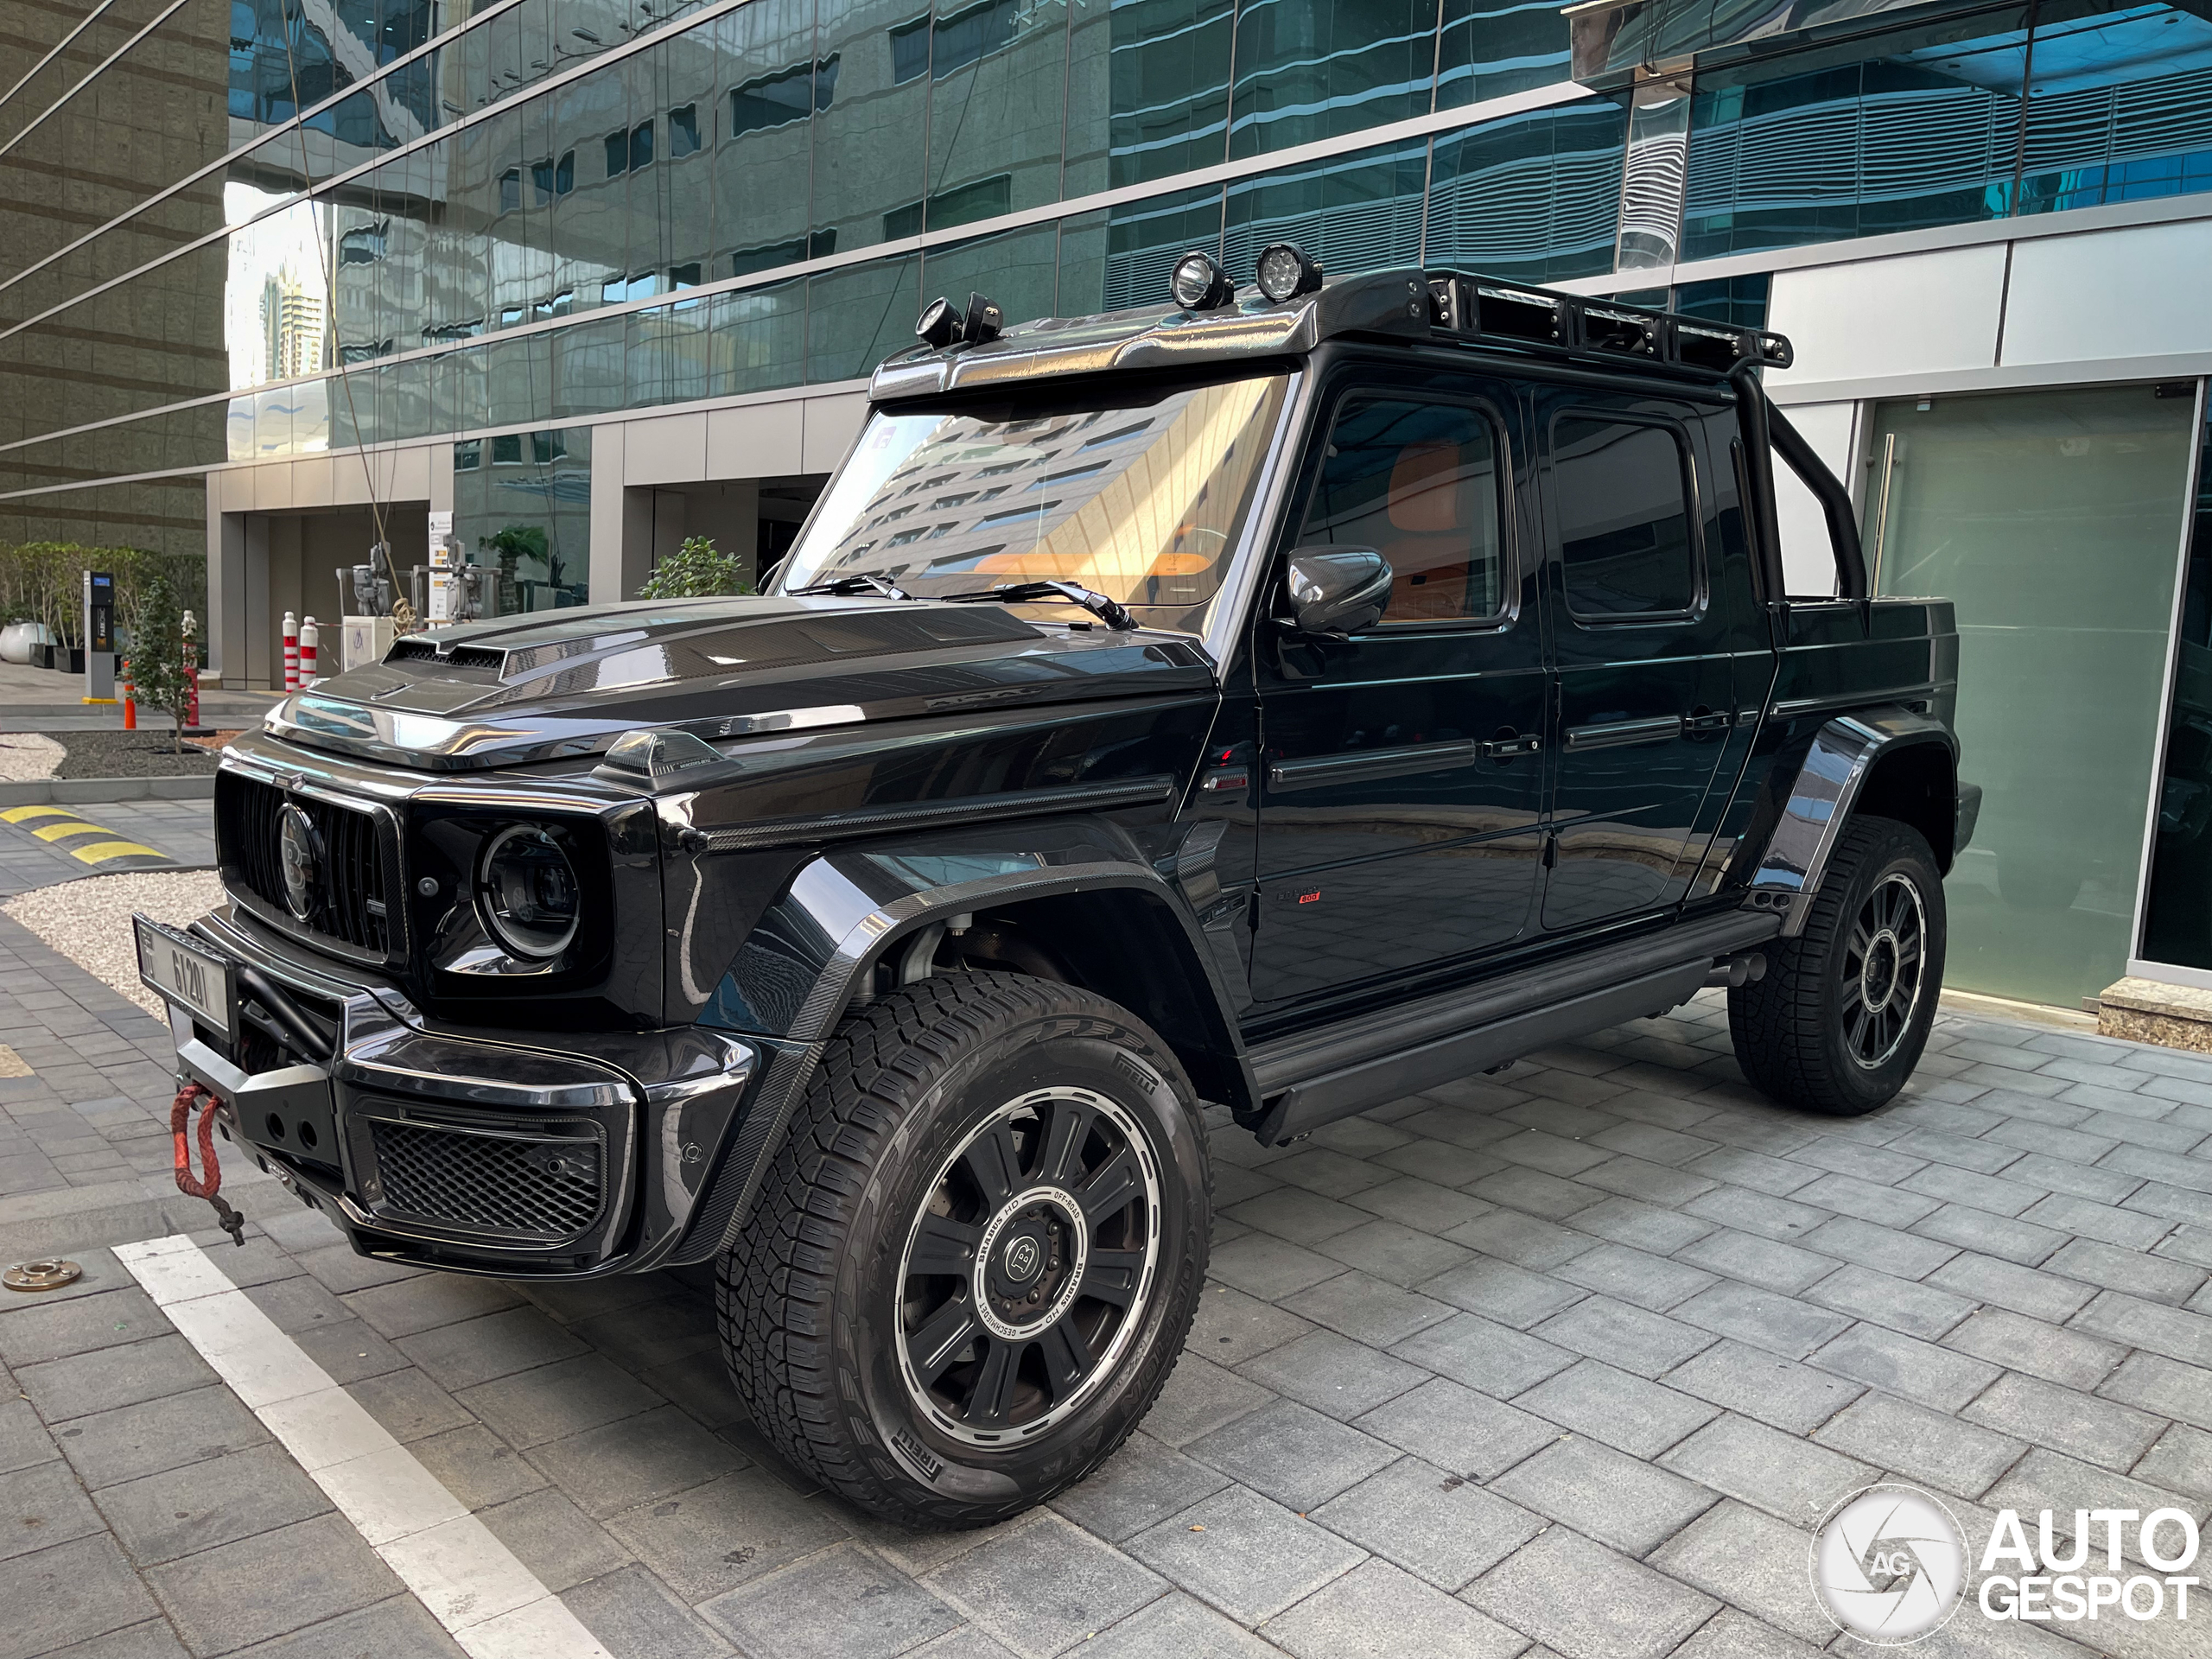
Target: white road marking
(492,1604)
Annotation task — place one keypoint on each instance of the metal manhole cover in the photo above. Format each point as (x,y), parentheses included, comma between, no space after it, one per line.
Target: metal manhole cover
(41,1275)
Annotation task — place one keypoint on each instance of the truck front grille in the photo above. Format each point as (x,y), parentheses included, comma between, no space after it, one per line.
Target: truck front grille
(546,1184)
(356,875)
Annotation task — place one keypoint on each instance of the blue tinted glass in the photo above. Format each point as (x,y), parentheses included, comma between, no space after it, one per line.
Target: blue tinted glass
(1311,69)
(858,316)
(1121,257)
(1920,129)
(1167,87)
(2120,108)
(765,57)
(1018,269)
(1534,196)
(868,159)
(1739,301)
(1354,212)
(1490,47)
(996,103)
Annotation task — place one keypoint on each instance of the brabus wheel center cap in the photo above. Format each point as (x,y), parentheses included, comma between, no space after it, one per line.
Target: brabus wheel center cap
(1030,1260)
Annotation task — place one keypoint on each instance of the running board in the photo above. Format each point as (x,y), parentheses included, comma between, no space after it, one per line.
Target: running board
(1317,1078)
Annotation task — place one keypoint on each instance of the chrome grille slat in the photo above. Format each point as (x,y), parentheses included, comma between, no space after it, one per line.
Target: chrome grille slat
(354,863)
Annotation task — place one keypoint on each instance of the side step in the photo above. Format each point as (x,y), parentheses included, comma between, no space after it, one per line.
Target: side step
(1319,1077)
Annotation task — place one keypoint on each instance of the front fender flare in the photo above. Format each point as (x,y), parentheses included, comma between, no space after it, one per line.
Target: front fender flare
(846,908)
(1827,785)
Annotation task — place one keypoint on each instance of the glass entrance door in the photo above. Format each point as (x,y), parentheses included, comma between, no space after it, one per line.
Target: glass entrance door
(2177,898)
(2053,520)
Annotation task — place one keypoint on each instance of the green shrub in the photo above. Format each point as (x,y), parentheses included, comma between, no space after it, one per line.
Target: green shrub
(696,570)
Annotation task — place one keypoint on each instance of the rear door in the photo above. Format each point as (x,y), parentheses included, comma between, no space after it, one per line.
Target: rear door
(1645,695)
(1402,783)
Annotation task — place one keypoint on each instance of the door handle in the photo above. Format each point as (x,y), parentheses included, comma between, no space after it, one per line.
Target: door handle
(1504,748)
(1615,733)
(1703,720)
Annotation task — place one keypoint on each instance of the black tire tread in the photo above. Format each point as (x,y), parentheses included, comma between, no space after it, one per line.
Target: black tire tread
(1777,1025)
(774,1290)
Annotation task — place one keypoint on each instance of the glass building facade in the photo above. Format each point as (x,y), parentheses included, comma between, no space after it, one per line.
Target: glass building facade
(243,231)
(400,220)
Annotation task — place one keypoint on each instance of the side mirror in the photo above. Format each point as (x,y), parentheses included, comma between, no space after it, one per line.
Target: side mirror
(1337,591)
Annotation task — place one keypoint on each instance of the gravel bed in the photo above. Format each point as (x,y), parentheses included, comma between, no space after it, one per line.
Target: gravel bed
(88,920)
(132,755)
(26,756)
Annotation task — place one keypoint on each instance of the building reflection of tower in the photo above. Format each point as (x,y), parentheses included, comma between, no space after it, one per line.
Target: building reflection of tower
(292,326)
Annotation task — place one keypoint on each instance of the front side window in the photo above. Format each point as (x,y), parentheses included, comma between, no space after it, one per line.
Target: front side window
(1620,490)
(1419,482)
(1140,497)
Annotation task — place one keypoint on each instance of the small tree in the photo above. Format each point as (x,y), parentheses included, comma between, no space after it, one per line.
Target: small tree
(696,570)
(160,659)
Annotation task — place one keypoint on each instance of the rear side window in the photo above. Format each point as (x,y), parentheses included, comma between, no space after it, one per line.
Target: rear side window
(1621,490)
(1419,482)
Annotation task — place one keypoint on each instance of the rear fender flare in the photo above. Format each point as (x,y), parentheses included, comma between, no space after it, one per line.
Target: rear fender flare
(1829,786)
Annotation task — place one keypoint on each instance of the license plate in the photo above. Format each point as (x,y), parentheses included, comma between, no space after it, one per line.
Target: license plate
(188,973)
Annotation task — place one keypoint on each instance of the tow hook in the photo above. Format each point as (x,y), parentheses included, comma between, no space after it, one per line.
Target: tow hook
(202,1186)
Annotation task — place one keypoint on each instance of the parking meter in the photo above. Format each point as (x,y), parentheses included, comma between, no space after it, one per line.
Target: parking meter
(100,637)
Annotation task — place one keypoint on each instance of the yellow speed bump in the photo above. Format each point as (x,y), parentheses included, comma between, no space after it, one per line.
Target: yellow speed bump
(100,851)
(101,845)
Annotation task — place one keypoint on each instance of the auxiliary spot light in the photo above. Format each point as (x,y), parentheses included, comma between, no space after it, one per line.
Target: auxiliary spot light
(1285,272)
(940,326)
(1199,283)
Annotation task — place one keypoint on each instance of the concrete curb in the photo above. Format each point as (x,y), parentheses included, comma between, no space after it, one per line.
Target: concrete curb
(81,791)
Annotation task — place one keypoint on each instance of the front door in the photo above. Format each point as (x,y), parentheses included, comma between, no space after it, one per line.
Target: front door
(1402,780)
(1646,693)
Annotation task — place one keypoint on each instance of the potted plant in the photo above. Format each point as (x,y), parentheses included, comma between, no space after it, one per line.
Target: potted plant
(696,570)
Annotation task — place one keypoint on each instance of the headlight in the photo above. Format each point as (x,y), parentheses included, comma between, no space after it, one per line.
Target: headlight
(526,892)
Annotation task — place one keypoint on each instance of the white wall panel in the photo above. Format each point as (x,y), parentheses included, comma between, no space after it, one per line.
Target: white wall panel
(2140,292)
(671,449)
(832,424)
(754,441)
(1808,557)
(1915,314)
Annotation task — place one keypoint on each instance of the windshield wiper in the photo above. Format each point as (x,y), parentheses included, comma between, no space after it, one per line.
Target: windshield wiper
(867,582)
(1015,593)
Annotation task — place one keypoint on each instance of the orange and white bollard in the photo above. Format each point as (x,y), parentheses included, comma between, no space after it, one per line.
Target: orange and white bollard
(308,637)
(129,699)
(291,653)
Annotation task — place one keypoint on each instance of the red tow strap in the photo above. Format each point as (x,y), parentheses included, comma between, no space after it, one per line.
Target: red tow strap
(200,1186)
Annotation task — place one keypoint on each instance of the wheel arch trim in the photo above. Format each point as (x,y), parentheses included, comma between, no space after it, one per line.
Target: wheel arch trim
(840,893)
(1844,758)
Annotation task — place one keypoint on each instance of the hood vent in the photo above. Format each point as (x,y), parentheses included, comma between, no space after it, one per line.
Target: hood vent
(421,648)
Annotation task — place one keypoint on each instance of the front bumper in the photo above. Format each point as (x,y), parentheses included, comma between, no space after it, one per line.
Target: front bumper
(510,1153)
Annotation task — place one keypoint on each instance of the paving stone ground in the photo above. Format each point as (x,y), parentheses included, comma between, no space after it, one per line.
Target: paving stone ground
(184,831)
(1562,1362)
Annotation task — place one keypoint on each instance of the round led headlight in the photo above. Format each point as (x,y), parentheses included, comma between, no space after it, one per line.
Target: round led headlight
(1199,283)
(526,892)
(1285,272)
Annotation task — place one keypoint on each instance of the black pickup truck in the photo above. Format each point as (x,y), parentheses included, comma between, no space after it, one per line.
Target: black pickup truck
(1287,699)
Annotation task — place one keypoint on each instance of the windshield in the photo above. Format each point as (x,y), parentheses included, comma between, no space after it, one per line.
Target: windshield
(1139,498)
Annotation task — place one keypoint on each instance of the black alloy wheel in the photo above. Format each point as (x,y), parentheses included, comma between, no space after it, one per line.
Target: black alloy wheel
(1028,1270)
(1840,1020)
(1885,969)
(977,1253)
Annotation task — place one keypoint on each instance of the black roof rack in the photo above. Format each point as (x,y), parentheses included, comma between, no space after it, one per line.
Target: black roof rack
(1459,307)
(1466,306)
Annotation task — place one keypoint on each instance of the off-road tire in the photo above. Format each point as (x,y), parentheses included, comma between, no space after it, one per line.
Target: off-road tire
(1791,1029)
(809,1298)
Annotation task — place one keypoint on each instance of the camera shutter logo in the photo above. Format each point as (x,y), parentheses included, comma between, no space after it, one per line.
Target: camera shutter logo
(1888,1565)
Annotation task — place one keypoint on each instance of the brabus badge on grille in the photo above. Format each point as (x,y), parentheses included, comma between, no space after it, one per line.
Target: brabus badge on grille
(301,849)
